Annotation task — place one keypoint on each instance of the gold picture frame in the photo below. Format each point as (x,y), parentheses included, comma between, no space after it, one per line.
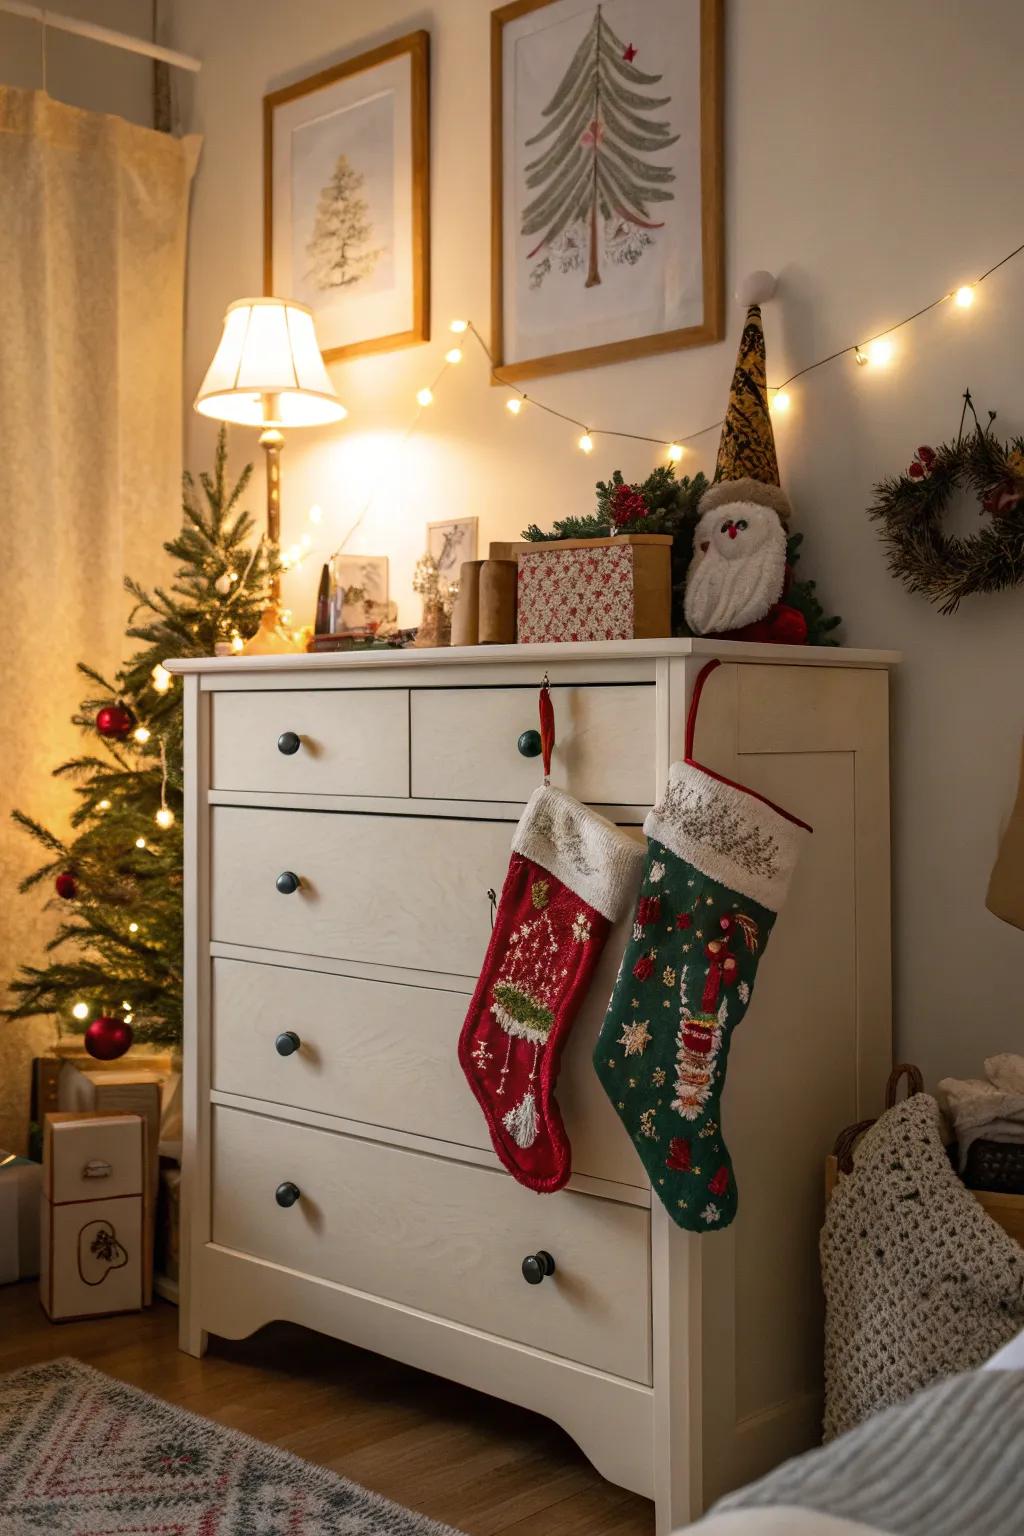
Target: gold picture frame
(403,67)
(707,154)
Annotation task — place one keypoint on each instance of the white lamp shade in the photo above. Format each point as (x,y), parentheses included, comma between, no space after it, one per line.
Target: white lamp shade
(267,370)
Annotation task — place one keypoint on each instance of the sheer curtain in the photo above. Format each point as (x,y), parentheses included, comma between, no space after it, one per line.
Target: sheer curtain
(93,222)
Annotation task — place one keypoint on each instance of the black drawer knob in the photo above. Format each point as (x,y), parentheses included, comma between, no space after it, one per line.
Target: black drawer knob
(288,743)
(536,1266)
(529,744)
(287,882)
(286,1194)
(287,1043)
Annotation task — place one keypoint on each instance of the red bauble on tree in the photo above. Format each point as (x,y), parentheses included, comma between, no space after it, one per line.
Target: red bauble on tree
(114,720)
(107,1038)
(66,885)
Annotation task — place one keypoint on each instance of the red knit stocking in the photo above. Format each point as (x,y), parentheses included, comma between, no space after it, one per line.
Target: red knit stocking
(571,875)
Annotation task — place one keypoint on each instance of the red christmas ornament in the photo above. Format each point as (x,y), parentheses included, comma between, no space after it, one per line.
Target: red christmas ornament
(114,721)
(788,626)
(107,1038)
(66,885)
(643,968)
(679,1155)
(720,1182)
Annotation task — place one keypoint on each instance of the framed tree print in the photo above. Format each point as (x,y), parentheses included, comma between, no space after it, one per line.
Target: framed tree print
(606,181)
(346,198)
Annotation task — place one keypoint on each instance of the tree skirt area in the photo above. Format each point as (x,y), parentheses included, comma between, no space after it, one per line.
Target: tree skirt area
(84,1455)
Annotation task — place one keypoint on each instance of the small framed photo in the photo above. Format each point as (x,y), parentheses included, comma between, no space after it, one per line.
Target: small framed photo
(347,200)
(450,543)
(361,591)
(606,156)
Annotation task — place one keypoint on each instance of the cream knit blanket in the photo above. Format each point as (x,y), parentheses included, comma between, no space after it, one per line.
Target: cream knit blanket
(920,1282)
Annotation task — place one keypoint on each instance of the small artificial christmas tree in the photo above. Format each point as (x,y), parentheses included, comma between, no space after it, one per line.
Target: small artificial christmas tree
(117,877)
(339,249)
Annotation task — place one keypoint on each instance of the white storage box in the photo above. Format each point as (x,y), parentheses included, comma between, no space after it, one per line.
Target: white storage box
(94,1179)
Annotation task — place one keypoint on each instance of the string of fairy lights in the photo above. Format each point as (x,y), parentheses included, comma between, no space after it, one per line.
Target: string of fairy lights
(874,350)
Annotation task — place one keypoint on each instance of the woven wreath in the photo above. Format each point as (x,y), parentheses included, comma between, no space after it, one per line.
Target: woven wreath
(911,508)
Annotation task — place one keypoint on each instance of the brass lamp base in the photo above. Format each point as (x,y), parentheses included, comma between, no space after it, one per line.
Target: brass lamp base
(273,638)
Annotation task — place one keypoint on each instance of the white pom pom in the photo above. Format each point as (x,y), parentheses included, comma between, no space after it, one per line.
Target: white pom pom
(756,288)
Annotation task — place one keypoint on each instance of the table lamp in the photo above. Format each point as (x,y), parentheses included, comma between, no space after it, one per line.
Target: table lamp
(267,372)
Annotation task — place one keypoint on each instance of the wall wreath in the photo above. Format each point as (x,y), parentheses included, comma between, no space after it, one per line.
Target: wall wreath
(911,507)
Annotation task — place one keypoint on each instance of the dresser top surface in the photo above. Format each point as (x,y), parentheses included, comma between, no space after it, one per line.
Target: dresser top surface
(584,651)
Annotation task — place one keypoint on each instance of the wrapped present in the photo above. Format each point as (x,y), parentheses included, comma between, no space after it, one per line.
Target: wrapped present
(20,1182)
(617,588)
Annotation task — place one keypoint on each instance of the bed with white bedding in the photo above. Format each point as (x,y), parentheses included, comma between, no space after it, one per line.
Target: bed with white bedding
(949,1462)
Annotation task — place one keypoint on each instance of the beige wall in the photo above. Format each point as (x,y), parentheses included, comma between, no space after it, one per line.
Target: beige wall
(872,159)
(79,71)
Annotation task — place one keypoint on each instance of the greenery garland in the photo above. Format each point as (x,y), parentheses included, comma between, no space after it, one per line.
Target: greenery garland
(947,568)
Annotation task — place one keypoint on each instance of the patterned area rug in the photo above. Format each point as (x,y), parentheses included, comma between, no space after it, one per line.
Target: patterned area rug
(84,1455)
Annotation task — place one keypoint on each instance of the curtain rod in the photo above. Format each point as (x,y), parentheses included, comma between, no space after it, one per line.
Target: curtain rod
(100,34)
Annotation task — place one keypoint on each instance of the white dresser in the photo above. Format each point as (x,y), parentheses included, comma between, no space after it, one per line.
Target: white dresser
(338,1171)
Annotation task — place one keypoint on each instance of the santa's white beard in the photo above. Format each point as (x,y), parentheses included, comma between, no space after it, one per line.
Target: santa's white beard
(724,594)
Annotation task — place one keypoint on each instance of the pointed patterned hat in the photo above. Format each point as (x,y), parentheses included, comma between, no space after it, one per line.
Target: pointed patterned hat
(747,468)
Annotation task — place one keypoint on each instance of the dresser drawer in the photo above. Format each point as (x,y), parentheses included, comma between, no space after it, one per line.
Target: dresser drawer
(391,890)
(464,743)
(350,741)
(440,1236)
(385,1054)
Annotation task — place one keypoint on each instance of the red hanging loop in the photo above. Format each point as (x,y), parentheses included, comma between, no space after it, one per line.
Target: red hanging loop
(547,726)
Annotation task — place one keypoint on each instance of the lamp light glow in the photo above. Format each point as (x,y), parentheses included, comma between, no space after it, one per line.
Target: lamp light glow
(80,1011)
(880,352)
(267,370)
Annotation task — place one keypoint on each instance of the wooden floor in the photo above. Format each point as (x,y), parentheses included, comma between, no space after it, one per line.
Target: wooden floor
(471,1461)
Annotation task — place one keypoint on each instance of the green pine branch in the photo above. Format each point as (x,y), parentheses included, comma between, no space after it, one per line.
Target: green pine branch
(120,938)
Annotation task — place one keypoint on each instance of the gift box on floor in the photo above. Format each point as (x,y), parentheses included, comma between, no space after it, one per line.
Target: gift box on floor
(20,1182)
(93,1257)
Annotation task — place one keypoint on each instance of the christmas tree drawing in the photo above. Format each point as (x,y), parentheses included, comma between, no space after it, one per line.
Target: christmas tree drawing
(338,251)
(594,182)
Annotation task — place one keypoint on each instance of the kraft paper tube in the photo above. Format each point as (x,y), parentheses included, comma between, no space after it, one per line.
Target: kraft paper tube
(466,613)
(498,602)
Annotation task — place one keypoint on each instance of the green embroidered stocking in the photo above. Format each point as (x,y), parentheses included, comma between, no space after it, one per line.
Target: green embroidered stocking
(719,862)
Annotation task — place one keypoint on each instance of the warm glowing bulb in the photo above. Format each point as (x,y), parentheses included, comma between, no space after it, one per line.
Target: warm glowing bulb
(165,817)
(133,927)
(675,453)
(453,355)
(880,352)
(162,679)
(128,1017)
(316,513)
(237,643)
(141,734)
(425,396)
(964,296)
(514,406)
(780,401)
(233,576)
(103,805)
(586,443)
(80,1011)
(306,541)
(127,1005)
(458,327)
(860,356)
(140,842)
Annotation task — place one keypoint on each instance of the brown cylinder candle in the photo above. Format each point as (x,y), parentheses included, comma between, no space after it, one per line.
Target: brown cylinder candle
(498,602)
(466,613)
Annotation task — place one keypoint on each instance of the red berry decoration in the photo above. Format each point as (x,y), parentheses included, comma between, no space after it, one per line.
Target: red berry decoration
(107,1038)
(114,721)
(66,885)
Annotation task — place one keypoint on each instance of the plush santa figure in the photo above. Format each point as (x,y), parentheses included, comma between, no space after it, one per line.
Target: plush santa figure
(738,573)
